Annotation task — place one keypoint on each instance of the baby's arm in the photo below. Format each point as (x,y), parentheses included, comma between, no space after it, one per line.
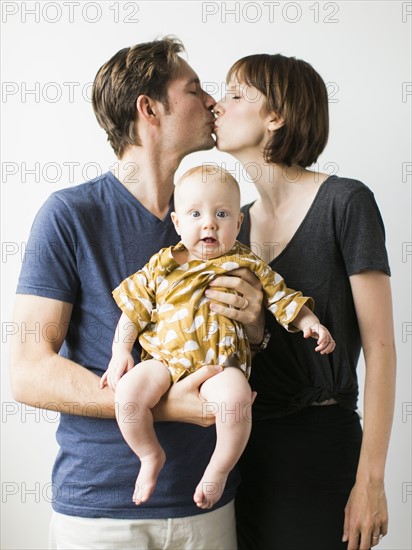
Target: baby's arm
(122,359)
(283,302)
(310,325)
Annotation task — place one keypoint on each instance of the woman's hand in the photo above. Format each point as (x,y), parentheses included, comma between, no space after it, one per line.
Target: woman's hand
(366,516)
(245,306)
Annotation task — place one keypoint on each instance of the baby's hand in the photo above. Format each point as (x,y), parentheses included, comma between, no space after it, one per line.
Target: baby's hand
(326,343)
(120,363)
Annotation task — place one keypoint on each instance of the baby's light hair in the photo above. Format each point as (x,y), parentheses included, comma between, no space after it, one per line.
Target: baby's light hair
(210,173)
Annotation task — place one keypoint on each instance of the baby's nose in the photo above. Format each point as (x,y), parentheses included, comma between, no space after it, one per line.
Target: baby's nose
(210,222)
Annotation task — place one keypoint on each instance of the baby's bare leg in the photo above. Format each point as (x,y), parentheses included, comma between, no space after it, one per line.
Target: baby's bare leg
(229,396)
(137,392)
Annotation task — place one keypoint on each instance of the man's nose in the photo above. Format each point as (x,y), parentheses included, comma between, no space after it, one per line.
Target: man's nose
(217,109)
(208,100)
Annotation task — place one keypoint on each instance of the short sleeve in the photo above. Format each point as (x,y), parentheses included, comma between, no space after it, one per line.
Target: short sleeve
(362,235)
(49,266)
(283,302)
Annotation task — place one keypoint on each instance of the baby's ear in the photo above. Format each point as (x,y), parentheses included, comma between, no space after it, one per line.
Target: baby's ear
(175,221)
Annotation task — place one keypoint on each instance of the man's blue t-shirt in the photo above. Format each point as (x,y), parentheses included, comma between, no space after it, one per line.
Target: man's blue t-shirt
(84,241)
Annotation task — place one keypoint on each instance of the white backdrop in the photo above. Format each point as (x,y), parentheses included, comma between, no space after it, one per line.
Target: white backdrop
(50,54)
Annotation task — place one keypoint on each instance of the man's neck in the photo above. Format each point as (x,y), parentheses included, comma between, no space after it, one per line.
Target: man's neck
(148,176)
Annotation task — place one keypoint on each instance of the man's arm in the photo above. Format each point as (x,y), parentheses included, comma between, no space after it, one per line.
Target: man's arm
(42,378)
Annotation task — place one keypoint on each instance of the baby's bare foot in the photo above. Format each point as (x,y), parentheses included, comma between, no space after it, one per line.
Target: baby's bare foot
(147,478)
(210,488)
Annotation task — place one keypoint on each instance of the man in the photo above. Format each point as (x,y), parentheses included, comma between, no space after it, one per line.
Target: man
(154,111)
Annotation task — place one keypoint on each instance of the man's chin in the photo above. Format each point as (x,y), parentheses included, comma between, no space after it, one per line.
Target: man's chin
(213,142)
(205,144)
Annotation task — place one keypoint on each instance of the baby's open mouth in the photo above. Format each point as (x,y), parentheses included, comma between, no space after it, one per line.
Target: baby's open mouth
(209,240)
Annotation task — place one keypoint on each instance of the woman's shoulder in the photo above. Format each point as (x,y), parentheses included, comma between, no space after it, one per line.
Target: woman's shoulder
(341,191)
(343,187)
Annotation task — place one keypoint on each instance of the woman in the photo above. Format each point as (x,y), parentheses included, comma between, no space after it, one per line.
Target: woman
(310,479)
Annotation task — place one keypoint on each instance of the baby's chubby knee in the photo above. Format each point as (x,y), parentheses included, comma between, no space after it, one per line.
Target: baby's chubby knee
(131,386)
(126,390)
(241,395)
(230,386)
(144,384)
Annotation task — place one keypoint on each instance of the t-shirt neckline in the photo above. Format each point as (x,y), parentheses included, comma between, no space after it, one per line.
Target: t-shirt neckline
(144,211)
(301,225)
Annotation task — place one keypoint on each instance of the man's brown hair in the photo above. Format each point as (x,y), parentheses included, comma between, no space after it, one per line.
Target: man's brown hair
(295,92)
(143,69)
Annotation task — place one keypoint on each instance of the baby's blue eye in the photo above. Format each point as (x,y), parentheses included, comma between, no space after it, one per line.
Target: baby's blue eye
(195,213)
(221,214)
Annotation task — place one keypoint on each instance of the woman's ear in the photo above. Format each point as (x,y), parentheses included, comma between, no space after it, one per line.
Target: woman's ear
(147,109)
(275,122)
(175,221)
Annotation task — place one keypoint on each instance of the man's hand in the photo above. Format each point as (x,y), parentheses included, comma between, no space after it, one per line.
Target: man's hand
(183,402)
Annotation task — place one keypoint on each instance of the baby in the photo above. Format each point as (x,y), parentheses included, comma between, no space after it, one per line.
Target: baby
(165,307)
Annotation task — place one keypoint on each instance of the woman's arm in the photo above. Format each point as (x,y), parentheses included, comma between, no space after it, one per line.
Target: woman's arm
(366,511)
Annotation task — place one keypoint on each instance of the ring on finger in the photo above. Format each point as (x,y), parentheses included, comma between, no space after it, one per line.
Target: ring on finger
(246,303)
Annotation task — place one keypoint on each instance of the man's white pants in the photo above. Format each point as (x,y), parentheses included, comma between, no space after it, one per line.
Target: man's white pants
(210,531)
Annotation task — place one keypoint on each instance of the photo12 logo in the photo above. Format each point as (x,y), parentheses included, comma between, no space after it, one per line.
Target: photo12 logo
(270,12)
(70,12)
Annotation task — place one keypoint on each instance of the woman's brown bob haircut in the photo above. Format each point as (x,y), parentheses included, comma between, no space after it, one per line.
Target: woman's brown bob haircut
(144,69)
(295,92)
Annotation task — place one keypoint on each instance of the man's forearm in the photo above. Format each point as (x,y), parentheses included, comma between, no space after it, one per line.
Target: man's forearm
(40,377)
(56,383)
